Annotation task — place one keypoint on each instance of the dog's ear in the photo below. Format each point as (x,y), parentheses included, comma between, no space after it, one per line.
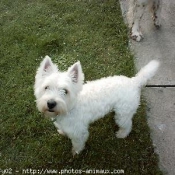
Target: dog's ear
(47,67)
(47,63)
(76,73)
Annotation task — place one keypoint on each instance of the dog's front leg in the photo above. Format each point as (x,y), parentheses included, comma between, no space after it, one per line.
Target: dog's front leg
(156,13)
(78,142)
(58,129)
(138,11)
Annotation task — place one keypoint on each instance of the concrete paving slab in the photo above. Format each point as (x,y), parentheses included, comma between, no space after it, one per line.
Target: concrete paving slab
(159,44)
(161,119)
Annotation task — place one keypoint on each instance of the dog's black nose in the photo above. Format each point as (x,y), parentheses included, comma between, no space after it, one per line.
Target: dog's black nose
(51,104)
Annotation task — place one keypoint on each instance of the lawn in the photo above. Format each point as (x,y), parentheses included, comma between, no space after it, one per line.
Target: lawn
(67,30)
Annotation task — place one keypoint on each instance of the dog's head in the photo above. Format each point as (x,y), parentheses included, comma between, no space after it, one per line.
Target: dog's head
(56,92)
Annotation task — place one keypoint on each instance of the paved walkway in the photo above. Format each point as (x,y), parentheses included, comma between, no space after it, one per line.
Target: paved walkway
(160,44)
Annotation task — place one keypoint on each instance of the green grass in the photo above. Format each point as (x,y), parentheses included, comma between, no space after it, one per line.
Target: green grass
(92,32)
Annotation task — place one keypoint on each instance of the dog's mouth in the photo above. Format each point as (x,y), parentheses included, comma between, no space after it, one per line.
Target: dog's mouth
(50,113)
(51,110)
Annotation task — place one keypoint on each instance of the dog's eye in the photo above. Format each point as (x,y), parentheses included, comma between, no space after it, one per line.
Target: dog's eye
(65,91)
(47,87)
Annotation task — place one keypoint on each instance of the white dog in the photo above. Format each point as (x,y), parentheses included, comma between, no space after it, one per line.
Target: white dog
(74,105)
(135,13)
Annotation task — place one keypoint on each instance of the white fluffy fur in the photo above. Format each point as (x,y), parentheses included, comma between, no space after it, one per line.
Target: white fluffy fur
(78,104)
(135,13)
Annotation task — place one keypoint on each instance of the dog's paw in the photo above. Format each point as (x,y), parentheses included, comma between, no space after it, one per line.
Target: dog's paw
(61,132)
(137,36)
(74,152)
(121,134)
(157,23)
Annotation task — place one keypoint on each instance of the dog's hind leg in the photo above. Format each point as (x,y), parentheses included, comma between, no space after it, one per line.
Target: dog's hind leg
(124,121)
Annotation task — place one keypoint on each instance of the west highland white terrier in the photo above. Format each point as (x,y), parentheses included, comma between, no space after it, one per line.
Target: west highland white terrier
(72,105)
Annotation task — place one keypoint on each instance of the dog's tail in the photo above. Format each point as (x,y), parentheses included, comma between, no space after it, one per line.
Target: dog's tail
(147,72)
